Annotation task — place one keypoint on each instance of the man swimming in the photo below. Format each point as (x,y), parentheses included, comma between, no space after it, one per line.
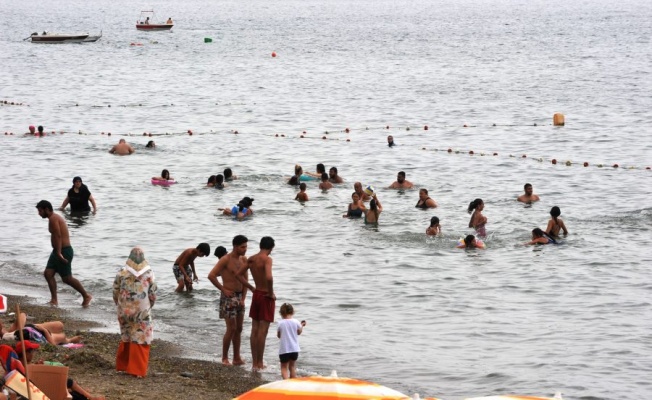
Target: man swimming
(528,197)
(401,182)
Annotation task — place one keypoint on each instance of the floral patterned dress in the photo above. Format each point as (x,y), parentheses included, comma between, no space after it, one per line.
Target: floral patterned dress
(135,292)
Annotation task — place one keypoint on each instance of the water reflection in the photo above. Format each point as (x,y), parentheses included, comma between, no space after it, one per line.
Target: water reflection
(77,219)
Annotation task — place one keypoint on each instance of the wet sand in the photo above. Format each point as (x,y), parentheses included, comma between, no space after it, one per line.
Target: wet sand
(170,376)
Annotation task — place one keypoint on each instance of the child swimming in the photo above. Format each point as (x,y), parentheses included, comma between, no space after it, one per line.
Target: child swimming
(555,224)
(470,242)
(540,237)
(434,228)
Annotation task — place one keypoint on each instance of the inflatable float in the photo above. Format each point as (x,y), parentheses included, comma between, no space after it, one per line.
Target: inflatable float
(163,182)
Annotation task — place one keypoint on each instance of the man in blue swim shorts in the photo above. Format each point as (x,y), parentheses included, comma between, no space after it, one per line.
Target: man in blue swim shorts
(61,257)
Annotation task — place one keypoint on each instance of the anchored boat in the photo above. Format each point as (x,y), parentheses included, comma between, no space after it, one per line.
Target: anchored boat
(147,22)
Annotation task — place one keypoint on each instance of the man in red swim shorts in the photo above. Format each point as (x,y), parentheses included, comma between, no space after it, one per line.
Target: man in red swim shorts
(264,300)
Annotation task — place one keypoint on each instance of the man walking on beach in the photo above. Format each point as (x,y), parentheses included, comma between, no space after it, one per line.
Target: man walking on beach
(60,261)
(232,298)
(263,302)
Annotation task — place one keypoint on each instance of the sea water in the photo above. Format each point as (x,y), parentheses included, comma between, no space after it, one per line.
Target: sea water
(383,303)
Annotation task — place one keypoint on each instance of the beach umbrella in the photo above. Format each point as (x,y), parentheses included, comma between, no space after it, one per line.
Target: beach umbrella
(322,388)
(3,304)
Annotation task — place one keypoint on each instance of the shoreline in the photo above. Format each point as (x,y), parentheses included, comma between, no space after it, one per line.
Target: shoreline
(169,376)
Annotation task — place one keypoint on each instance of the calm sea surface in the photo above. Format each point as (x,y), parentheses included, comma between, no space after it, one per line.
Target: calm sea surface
(383,303)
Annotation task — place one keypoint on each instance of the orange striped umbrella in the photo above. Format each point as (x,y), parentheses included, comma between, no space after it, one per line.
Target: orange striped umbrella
(322,388)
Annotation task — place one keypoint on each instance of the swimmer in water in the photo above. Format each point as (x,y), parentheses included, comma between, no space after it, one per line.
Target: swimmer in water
(470,242)
(165,176)
(325,183)
(302,195)
(529,197)
(555,224)
(478,221)
(540,237)
(434,228)
(211,181)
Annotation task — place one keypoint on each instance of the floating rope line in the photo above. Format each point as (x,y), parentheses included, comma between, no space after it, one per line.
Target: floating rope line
(553,161)
(346,131)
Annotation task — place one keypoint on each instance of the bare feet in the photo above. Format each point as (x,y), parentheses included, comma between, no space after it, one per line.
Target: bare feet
(239,361)
(53,303)
(225,361)
(87,301)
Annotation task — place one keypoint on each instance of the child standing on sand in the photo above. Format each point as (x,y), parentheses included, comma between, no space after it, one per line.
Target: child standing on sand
(288,331)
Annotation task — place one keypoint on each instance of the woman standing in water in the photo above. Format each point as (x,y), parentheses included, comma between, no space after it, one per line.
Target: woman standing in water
(478,221)
(78,197)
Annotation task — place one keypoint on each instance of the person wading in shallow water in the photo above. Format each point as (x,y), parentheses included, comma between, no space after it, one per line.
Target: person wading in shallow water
(60,261)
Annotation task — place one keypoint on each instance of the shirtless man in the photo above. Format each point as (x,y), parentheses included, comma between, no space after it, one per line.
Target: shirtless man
(122,148)
(61,257)
(184,266)
(232,297)
(390,141)
(401,183)
(333,176)
(357,187)
(528,197)
(263,302)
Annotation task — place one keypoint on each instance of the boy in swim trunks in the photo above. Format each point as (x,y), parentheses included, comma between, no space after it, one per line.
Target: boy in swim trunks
(184,266)
(263,304)
(232,297)
(61,257)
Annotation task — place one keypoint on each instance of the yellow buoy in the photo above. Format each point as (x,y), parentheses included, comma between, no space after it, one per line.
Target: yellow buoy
(558,119)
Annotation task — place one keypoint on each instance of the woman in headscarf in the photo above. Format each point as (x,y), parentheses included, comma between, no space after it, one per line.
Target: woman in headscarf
(134,292)
(78,197)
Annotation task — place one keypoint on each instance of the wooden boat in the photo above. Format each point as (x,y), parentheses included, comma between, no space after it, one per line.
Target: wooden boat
(148,22)
(48,37)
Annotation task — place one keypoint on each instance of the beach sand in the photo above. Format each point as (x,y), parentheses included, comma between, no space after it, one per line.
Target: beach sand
(170,376)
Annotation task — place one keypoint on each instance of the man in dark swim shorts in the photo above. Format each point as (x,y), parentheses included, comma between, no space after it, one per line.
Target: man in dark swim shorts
(62,254)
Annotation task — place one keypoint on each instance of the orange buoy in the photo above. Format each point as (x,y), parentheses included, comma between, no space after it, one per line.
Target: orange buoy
(554,162)
(273,54)
(558,119)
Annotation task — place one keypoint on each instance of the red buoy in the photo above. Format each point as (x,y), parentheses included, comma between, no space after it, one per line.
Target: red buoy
(553,161)
(273,54)
(346,130)
(586,164)
(471,152)
(425,128)
(615,165)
